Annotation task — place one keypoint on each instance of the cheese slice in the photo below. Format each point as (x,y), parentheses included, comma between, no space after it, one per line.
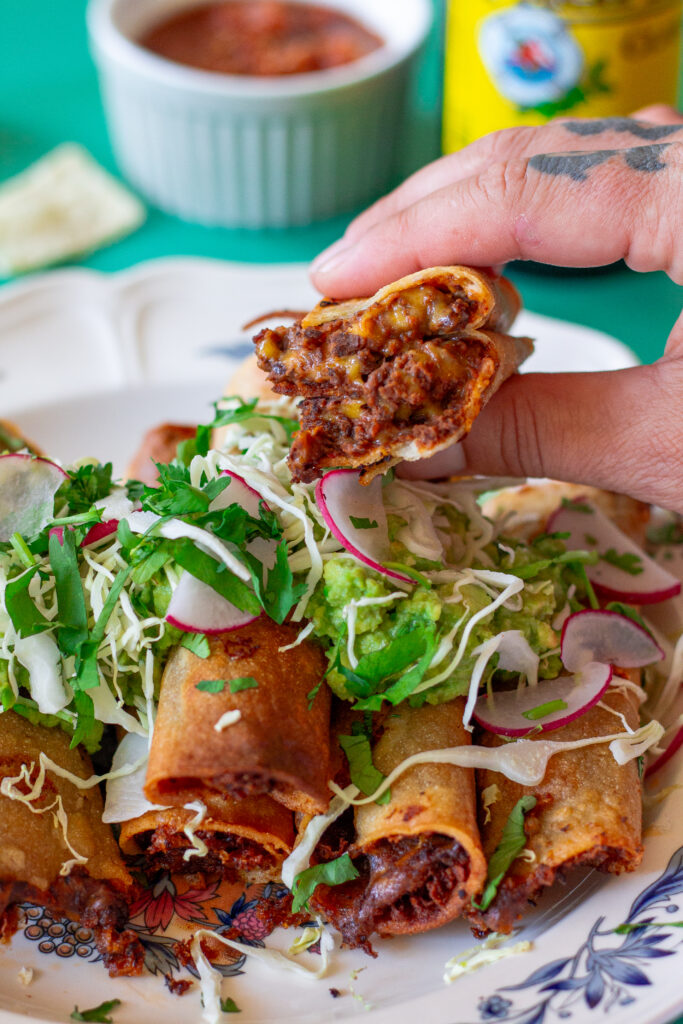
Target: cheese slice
(62,206)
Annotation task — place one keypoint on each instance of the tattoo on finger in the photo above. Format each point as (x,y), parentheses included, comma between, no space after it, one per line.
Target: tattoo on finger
(576,166)
(641,129)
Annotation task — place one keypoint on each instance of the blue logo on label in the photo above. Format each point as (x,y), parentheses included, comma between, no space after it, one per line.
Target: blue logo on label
(530,55)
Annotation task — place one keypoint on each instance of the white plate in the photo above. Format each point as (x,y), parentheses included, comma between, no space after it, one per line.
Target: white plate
(144,335)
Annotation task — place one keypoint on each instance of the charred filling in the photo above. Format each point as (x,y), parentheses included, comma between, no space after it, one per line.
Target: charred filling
(417,397)
(404,885)
(393,380)
(229,855)
(517,891)
(330,360)
(95,903)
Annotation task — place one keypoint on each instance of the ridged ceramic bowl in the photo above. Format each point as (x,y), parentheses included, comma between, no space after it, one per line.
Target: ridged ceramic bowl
(242,151)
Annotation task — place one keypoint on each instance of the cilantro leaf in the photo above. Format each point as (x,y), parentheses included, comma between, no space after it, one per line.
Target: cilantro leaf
(97,1014)
(543,710)
(211,685)
(512,842)
(73,616)
(627,562)
(412,651)
(229,1006)
(26,618)
(243,683)
(364,774)
(334,872)
(239,414)
(198,643)
(85,486)
(88,730)
(281,593)
(205,568)
(363,524)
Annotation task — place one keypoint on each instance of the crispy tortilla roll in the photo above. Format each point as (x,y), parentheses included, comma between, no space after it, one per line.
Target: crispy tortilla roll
(588,813)
(278,745)
(400,375)
(34,855)
(419,856)
(246,840)
(160,444)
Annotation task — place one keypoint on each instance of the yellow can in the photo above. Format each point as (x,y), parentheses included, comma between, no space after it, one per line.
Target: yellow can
(522,63)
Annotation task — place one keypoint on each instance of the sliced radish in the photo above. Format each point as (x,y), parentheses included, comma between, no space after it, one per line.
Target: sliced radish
(505,713)
(593,531)
(99,531)
(239,492)
(341,499)
(28,485)
(666,755)
(196,608)
(600,635)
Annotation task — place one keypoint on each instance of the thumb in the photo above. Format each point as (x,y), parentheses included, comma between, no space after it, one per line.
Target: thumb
(619,430)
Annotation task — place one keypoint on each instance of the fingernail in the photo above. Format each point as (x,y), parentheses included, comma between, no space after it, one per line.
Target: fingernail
(331,257)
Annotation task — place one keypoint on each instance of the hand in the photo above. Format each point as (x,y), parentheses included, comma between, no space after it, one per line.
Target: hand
(572,193)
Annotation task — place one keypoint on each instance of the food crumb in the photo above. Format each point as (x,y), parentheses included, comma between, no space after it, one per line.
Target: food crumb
(25,976)
(335,993)
(177,986)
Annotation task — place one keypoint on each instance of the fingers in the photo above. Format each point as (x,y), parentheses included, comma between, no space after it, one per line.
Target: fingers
(660,113)
(558,136)
(585,208)
(604,429)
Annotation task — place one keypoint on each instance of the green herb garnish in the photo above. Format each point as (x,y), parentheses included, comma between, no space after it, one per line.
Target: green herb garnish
(334,872)
(363,524)
(363,772)
(512,842)
(627,562)
(543,710)
(98,1014)
(211,685)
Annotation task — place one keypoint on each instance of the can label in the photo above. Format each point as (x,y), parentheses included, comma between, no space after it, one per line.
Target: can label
(522,63)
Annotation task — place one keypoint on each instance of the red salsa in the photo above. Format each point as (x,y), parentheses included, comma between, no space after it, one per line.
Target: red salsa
(260,37)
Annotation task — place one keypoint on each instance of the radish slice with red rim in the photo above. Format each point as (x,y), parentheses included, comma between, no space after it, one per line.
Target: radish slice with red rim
(518,712)
(601,635)
(28,485)
(99,531)
(624,572)
(355,515)
(667,754)
(239,492)
(196,608)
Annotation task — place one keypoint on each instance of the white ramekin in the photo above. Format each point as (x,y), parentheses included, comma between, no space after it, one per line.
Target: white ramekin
(241,151)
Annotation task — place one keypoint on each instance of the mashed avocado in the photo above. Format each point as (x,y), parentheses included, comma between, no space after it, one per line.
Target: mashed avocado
(434,611)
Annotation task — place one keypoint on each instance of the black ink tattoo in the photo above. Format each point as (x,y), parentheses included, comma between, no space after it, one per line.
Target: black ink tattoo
(576,165)
(641,129)
(646,158)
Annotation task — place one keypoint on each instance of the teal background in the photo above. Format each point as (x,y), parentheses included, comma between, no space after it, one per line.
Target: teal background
(48,94)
